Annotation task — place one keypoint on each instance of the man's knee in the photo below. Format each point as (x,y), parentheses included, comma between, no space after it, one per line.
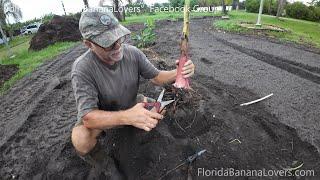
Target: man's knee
(84,139)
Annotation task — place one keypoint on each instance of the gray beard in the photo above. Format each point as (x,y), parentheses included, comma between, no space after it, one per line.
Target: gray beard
(120,58)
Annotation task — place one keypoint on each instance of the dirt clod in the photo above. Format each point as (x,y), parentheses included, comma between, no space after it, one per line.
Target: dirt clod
(59,29)
(6,72)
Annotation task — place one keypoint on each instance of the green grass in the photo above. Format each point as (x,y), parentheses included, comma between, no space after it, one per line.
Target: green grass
(163,15)
(17,41)
(17,44)
(27,61)
(300,31)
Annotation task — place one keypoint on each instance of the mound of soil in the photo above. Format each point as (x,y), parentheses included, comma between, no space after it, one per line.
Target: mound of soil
(60,28)
(6,72)
(207,118)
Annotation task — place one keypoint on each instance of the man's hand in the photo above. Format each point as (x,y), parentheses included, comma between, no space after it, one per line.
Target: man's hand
(188,68)
(165,77)
(140,117)
(150,100)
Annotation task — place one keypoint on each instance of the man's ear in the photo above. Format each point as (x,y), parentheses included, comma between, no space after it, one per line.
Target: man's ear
(87,43)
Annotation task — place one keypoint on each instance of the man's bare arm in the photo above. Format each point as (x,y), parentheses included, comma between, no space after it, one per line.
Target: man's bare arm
(165,77)
(136,116)
(99,119)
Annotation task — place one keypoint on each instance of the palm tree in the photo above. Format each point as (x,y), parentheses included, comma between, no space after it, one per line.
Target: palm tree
(9,9)
(86,4)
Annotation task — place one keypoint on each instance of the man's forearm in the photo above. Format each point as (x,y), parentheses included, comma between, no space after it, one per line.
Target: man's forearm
(171,76)
(99,119)
(165,77)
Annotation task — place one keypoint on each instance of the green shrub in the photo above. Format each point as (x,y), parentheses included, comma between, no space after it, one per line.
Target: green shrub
(46,18)
(180,3)
(269,6)
(298,10)
(242,5)
(146,37)
(252,6)
(317,12)
(314,13)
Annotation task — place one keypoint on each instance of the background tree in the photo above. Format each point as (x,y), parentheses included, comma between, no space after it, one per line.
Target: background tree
(215,2)
(224,8)
(9,9)
(203,3)
(118,13)
(281,3)
(270,2)
(86,4)
(64,9)
(234,4)
(269,6)
(299,10)
(315,3)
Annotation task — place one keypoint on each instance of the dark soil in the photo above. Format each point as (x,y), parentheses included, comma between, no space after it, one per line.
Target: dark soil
(59,29)
(210,122)
(6,72)
(39,112)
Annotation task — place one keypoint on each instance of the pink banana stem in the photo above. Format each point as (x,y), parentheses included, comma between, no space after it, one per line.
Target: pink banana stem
(181,82)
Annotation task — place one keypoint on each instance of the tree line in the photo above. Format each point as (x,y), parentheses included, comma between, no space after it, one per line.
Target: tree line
(296,10)
(277,8)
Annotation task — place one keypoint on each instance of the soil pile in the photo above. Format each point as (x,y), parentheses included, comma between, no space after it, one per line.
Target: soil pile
(210,118)
(60,28)
(6,72)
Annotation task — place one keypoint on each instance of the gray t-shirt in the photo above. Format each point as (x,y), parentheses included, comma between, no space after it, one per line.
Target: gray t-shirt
(97,85)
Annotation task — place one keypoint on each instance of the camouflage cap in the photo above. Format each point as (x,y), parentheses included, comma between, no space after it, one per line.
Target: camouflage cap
(99,25)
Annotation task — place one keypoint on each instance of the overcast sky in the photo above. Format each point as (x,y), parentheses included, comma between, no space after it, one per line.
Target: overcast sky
(37,8)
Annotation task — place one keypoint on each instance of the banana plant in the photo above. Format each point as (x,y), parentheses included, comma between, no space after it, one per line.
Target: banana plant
(182,82)
(146,37)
